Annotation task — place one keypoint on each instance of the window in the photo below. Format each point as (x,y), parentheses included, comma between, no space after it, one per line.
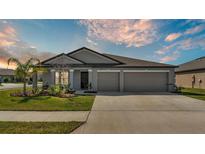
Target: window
(61,78)
(57,78)
(64,78)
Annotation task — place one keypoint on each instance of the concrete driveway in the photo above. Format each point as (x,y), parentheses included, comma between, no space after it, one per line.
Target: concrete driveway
(145,113)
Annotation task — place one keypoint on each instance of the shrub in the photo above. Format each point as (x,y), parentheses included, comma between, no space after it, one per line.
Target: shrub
(178,89)
(55,90)
(36,91)
(45,86)
(6,80)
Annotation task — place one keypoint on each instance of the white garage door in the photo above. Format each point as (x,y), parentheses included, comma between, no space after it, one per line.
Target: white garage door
(145,81)
(108,81)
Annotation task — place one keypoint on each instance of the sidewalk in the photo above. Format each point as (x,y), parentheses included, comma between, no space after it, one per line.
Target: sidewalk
(55,116)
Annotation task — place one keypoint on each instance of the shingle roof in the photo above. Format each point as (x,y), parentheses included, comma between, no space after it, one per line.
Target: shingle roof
(6,71)
(131,62)
(197,64)
(125,62)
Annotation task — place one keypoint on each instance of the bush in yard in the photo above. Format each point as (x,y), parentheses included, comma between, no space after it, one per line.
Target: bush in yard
(68,89)
(6,80)
(36,91)
(54,90)
(179,89)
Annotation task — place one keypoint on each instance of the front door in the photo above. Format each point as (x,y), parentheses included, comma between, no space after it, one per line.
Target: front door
(84,80)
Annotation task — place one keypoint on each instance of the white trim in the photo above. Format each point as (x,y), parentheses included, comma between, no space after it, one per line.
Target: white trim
(71,70)
(108,71)
(90,70)
(81,68)
(146,71)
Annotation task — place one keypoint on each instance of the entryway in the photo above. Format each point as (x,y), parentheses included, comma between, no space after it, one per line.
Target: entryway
(84,80)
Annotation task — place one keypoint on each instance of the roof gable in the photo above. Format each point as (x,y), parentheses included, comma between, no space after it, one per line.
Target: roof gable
(92,57)
(62,59)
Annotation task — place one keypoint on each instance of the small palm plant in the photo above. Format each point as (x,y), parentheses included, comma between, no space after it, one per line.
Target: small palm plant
(24,70)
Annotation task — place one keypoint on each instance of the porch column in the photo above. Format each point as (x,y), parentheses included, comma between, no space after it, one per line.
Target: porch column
(52,77)
(171,80)
(90,79)
(71,78)
(121,81)
(35,80)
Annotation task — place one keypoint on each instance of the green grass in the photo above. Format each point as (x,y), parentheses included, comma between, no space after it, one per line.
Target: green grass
(38,127)
(44,103)
(194,93)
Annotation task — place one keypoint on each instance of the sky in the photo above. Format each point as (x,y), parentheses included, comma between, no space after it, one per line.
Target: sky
(166,41)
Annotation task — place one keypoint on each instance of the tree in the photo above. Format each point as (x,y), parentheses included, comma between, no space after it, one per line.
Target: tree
(25,70)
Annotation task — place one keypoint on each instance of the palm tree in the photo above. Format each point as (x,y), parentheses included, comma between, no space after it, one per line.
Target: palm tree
(24,70)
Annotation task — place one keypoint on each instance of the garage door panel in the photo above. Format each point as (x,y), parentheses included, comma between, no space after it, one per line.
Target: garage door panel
(108,81)
(145,82)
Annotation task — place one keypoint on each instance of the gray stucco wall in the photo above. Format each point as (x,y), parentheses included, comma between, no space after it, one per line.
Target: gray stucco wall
(171,80)
(48,78)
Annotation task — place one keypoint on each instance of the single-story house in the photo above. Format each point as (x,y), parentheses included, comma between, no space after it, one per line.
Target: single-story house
(191,74)
(87,69)
(6,75)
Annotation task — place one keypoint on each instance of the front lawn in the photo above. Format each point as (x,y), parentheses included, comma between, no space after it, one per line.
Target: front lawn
(44,103)
(38,127)
(194,93)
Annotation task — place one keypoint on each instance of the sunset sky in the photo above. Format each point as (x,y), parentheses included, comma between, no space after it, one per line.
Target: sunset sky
(166,41)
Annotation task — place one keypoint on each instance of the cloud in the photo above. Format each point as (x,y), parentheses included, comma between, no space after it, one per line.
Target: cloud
(172,37)
(195,29)
(8,32)
(91,42)
(135,33)
(6,43)
(165,49)
(172,51)
(170,57)
(12,46)
(7,36)
(186,44)
(190,31)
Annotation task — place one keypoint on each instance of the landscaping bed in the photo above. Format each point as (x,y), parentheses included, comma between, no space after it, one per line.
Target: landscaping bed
(43,103)
(38,127)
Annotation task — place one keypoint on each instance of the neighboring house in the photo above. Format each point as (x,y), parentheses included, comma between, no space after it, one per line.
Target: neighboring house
(6,75)
(191,74)
(85,68)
